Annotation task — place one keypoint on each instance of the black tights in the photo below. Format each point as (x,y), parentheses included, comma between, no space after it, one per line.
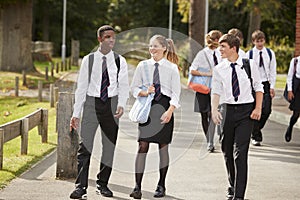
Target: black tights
(205,117)
(294,118)
(141,160)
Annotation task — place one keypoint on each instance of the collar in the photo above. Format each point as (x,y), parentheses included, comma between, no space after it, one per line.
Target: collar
(160,62)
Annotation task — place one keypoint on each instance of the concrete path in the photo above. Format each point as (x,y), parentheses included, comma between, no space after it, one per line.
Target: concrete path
(274,168)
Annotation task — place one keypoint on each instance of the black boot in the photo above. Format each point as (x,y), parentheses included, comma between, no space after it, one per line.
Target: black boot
(288,134)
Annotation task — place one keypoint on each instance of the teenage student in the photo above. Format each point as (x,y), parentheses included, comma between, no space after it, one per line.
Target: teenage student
(101,95)
(165,84)
(202,65)
(231,83)
(293,87)
(266,61)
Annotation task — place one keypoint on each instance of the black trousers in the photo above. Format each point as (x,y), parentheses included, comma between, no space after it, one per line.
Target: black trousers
(265,113)
(235,145)
(95,113)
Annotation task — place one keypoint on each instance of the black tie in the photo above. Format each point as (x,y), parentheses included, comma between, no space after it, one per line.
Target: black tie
(215,58)
(156,83)
(105,81)
(261,61)
(235,83)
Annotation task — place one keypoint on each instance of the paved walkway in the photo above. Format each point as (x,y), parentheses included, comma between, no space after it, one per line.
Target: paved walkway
(193,174)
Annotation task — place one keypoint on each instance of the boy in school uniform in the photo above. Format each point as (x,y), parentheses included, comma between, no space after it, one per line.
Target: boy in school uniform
(266,61)
(231,83)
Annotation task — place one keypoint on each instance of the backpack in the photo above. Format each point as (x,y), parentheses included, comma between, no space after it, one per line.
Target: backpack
(246,66)
(91,61)
(268,50)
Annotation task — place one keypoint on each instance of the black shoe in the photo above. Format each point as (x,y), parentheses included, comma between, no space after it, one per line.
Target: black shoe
(78,193)
(256,143)
(160,192)
(230,193)
(104,191)
(136,193)
(211,149)
(288,134)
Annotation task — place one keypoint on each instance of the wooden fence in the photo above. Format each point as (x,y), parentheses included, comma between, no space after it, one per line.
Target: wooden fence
(21,127)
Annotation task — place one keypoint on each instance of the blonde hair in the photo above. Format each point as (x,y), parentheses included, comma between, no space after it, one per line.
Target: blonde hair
(211,39)
(170,52)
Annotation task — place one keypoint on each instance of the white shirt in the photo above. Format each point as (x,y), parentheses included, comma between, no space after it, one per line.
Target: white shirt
(168,75)
(221,82)
(118,88)
(291,73)
(204,59)
(268,72)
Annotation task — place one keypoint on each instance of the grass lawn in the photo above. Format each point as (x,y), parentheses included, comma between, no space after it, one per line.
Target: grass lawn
(12,108)
(14,163)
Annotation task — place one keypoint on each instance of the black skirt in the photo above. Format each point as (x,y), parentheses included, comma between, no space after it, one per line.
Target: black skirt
(202,103)
(295,104)
(153,130)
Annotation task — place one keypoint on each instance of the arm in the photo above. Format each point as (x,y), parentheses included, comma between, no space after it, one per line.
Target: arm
(123,88)
(289,80)
(256,113)
(175,95)
(215,114)
(80,93)
(273,73)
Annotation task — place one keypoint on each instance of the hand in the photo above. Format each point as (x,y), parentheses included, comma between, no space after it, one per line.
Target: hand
(290,95)
(74,123)
(256,114)
(272,93)
(166,117)
(151,89)
(119,112)
(216,117)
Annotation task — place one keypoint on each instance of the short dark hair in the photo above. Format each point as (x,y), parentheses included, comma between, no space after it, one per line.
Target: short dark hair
(104,28)
(231,40)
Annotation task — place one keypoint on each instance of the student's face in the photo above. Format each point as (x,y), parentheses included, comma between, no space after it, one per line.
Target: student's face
(259,43)
(107,39)
(225,50)
(156,50)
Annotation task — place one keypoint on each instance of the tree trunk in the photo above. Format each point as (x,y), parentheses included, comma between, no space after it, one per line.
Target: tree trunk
(254,23)
(297,38)
(196,26)
(15,36)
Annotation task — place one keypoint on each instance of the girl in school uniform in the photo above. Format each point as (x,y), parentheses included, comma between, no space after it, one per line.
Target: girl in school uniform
(165,83)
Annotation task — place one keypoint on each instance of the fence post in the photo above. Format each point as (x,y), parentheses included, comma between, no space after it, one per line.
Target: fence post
(1,147)
(52,69)
(55,94)
(24,136)
(44,126)
(24,77)
(67,143)
(51,95)
(46,73)
(57,68)
(17,87)
(40,90)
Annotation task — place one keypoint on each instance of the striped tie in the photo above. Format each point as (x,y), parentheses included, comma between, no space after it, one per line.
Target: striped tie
(156,83)
(235,83)
(105,81)
(261,61)
(215,58)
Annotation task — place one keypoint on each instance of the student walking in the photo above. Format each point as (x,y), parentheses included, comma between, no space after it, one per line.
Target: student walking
(165,83)
(293,87)
(266,62)
(231,83)
(202,65)
(101,95)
